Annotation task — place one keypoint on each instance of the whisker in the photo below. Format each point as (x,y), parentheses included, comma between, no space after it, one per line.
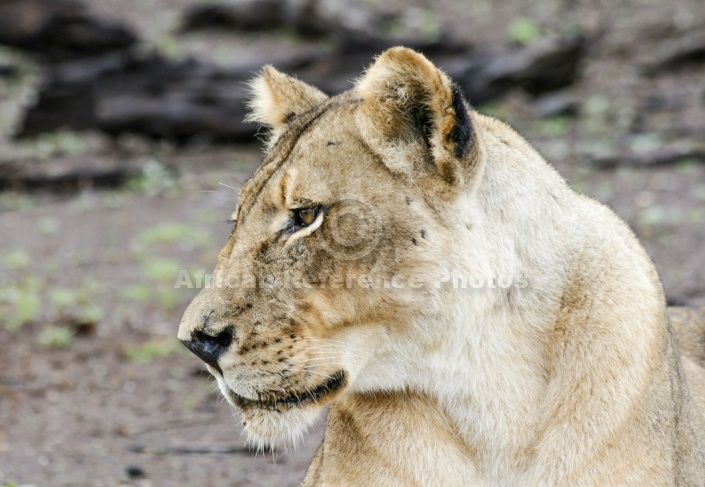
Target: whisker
(344,353)
(325,340)
(328,342)
(330,347)
(228,186)
(335,358)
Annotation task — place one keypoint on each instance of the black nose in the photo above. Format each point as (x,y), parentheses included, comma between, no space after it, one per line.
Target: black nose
(208,348)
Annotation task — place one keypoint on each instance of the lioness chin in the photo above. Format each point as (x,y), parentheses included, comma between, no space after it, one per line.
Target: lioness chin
(469,319)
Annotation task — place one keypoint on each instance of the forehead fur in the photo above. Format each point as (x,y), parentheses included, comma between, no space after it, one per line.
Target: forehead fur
(313,138)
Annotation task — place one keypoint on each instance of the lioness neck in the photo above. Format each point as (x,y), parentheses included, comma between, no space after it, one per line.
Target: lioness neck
(516,367)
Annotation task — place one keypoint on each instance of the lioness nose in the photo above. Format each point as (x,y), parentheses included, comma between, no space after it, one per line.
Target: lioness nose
(208,348)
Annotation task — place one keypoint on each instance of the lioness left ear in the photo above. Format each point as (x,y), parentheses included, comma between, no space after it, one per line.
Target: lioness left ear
(277,98)
(412,110)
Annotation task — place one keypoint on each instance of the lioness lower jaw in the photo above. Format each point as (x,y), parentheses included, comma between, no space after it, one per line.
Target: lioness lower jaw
(277,422)
(274,429)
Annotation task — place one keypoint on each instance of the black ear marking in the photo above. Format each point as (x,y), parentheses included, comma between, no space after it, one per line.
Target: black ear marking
(462,133)
(423,120)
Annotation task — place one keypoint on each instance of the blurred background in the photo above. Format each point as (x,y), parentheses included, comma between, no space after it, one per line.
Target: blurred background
(122,149)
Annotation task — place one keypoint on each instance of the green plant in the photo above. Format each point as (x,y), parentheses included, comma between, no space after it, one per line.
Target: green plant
(65,298)
(523,31)
(89,313)
(52,144)
(696,215)
(53,336)
(554,126)
(140,293)
(154,180)
(48,226)
(17,259)
(497,109)
(153,349)
(172,232)
(16,201)
(161,269)
(168,300)
(170,47)
(22,301)
(76,306)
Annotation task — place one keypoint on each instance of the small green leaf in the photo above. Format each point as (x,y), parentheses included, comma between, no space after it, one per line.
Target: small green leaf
(48,226)
(137,292)
(55,337)
(153,349)
(524,31)
(89,314)
(161,269)
(63,298)
(18,259)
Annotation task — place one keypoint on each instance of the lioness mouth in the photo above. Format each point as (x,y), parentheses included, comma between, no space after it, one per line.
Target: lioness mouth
(327,388)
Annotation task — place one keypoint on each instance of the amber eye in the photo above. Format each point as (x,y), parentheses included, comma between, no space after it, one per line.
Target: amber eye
(305,216)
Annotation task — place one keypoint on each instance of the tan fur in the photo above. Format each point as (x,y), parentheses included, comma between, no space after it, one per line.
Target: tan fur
(689,325)
(568,375)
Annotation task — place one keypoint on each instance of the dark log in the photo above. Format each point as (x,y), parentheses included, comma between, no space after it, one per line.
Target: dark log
(686,51)
(541,67)
(557,105)
(252,15)
(309,18)
(150,95)
(59,29)
(185,100)
(191,450)
(61,175)
(664,100)
(9,71)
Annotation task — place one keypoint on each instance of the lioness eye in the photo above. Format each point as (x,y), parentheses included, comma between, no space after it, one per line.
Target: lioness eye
(305,216)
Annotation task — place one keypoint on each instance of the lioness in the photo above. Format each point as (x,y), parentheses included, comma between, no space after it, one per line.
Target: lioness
(469,319)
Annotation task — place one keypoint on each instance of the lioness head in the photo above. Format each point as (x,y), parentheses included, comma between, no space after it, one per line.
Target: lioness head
(329,280)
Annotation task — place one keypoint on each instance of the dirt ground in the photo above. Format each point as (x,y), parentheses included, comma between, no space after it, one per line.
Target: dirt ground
(94,388)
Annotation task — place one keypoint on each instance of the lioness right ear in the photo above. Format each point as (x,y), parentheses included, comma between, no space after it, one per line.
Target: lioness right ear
(278,98)
(413,114)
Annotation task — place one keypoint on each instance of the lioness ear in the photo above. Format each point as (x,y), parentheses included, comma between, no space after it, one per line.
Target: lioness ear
(411,111)
(278,98)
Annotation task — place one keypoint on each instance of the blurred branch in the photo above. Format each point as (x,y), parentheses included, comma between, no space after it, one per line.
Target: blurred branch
(190,450)
(657,158)
(66,174)
(59,29)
